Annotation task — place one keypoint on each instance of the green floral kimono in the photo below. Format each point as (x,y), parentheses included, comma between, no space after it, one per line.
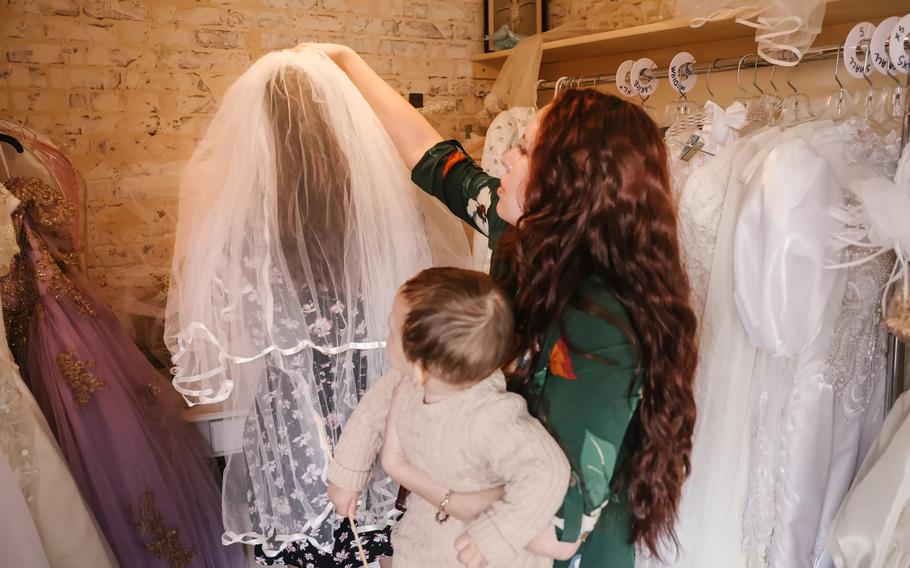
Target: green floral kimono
(587,404)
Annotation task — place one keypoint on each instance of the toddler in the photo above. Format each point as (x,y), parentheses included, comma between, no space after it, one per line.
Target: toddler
(454,436)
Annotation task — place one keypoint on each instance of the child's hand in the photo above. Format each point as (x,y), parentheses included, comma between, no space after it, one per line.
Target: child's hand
(547,545)
(345,500)
(469,554)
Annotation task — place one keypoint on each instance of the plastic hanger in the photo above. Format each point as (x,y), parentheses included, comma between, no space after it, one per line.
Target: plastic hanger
(837,107)
(17,146)
(796,107)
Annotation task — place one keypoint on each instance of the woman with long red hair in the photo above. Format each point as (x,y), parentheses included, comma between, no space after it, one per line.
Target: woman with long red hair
(583,229)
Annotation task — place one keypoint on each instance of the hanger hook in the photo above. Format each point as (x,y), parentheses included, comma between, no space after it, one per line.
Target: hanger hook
(755,77)
(771,79)
(559,85)
(837,80)
(867,49)
(789,84)
(708,79)
(738,69)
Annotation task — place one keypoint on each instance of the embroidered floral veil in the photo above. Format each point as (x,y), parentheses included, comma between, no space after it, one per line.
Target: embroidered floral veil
(298,223)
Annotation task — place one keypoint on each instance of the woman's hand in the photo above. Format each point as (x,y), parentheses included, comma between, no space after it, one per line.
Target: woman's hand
(336,52)
(469,554)
(463,506)
(345,500)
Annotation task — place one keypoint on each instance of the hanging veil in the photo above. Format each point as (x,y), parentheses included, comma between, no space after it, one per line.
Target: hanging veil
(784,29)
(297,225)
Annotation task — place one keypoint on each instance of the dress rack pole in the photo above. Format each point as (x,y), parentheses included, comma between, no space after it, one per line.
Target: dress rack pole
(701,67)
(698,68)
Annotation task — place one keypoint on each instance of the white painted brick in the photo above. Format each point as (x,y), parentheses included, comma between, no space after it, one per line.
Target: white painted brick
(117,9)
(59,7)
(127,86)
(220,39)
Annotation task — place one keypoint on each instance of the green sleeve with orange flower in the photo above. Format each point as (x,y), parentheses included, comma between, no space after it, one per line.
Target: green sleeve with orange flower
(585,389)
(449,174)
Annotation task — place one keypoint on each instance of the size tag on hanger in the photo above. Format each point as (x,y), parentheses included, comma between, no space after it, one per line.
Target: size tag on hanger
(879,56)
(622,78)
(681,82)
(643,85)
(855,60)
(900,57)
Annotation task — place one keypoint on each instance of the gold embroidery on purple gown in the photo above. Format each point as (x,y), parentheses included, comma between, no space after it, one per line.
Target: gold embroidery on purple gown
(18,290)
(164,542)
(151,391)
(54,211)
(82,382)
(138,464)
(69,534)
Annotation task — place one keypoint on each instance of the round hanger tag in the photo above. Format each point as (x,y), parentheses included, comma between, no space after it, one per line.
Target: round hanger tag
(854,59)
(879,56)
(900,56)
(681,82)
(622,78)
(643,85)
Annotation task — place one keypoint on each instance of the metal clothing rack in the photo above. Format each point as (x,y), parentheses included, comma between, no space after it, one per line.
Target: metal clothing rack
(704,67)
(898,370)
(898,356)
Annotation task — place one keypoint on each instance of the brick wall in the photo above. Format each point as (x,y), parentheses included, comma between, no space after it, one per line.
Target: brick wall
(127,87)
(612,14)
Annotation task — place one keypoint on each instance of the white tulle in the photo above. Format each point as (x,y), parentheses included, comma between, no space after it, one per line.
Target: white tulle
(297,225)
(784,29)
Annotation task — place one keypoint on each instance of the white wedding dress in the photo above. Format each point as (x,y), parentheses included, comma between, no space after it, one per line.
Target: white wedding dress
(709,525)
(820,366)
(872,528)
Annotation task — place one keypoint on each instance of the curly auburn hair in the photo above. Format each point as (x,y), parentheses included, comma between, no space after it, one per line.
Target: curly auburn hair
(598,202)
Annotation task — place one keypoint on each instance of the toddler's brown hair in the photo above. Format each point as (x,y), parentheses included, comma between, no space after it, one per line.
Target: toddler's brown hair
(459,325)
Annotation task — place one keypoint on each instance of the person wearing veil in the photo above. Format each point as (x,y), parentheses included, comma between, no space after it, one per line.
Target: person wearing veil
(297,225)
(583,231)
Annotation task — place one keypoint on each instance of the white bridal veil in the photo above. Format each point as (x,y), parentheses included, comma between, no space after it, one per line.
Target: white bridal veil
(298,223)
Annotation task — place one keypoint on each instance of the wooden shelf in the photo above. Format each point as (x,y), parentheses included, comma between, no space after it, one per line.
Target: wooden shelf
(677,33)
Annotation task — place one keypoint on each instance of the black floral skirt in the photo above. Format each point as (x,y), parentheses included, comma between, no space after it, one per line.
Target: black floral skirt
(376,545)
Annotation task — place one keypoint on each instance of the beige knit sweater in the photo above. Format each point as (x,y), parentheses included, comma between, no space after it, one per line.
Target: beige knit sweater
(476,439)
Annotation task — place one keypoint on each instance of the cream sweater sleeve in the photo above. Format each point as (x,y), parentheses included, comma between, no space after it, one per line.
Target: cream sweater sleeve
(361,438)
(535,473)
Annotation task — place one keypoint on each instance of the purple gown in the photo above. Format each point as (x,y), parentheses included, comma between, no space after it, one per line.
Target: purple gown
(138,464)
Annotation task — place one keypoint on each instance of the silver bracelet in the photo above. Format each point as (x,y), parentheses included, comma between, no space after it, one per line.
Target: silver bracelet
(441,515)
